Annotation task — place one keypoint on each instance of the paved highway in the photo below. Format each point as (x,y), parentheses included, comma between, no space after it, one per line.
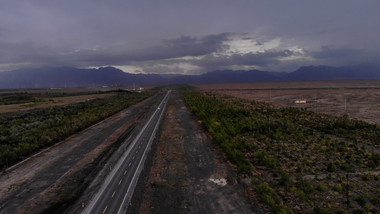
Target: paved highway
(117,190)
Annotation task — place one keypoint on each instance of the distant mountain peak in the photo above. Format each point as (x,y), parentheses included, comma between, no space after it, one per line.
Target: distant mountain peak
(48,77)
(58,77)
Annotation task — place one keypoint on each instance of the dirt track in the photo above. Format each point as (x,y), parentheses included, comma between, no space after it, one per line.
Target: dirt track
(60,173)
(189,173)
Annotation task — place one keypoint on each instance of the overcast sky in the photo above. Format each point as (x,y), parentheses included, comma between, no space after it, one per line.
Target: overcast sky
(188,37)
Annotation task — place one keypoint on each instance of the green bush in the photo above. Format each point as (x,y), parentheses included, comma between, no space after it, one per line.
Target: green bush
(322,187)
(318,210)
(284,179)
(269,196)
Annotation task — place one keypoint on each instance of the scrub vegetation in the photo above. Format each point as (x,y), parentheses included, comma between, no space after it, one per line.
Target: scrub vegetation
(26,132)
(29,98)
(297,161)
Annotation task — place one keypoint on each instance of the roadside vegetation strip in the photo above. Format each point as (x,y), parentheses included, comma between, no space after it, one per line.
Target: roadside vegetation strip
(297,160)
(25,133)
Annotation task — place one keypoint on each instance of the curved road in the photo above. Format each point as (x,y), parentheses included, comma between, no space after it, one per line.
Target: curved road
(117,190)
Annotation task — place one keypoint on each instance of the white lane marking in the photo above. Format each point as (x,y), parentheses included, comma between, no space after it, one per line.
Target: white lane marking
(126,198)
(125,172)
(113,194)
(110,176)
(105,209)
(133,157)
(137,151)
(129,164)
(120,181)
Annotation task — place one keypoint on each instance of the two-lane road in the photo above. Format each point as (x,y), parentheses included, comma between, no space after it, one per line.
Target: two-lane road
(117,190)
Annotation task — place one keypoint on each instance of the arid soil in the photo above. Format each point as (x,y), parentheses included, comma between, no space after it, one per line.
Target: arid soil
(58,101)
(357,99)
(55,101)
(68,90)
(189,173)
(52,179)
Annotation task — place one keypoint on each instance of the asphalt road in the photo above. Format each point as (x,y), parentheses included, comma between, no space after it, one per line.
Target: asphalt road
(117,190)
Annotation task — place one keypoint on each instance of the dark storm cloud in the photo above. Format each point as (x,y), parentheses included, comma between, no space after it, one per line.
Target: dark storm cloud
(118,32)
(260,59)
(212,62)
(180,47)
(25,53)
(336,53)
(170,48)
(173,48)
(343,56)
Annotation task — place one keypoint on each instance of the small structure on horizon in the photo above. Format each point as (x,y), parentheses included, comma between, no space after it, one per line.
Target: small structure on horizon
(300,101)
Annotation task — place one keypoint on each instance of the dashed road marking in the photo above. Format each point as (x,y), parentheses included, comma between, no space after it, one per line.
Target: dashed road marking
(129,164)
(105,209)
(120,181)
(125,172)
(113,194)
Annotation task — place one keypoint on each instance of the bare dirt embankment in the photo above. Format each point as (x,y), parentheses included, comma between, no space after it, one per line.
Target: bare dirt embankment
(54,178)
(189,173)
(358,99)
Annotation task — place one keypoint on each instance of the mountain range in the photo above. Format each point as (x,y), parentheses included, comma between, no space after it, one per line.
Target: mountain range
(58,77)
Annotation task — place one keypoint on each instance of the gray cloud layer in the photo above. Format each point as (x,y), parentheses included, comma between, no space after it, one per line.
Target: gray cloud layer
(188,36)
